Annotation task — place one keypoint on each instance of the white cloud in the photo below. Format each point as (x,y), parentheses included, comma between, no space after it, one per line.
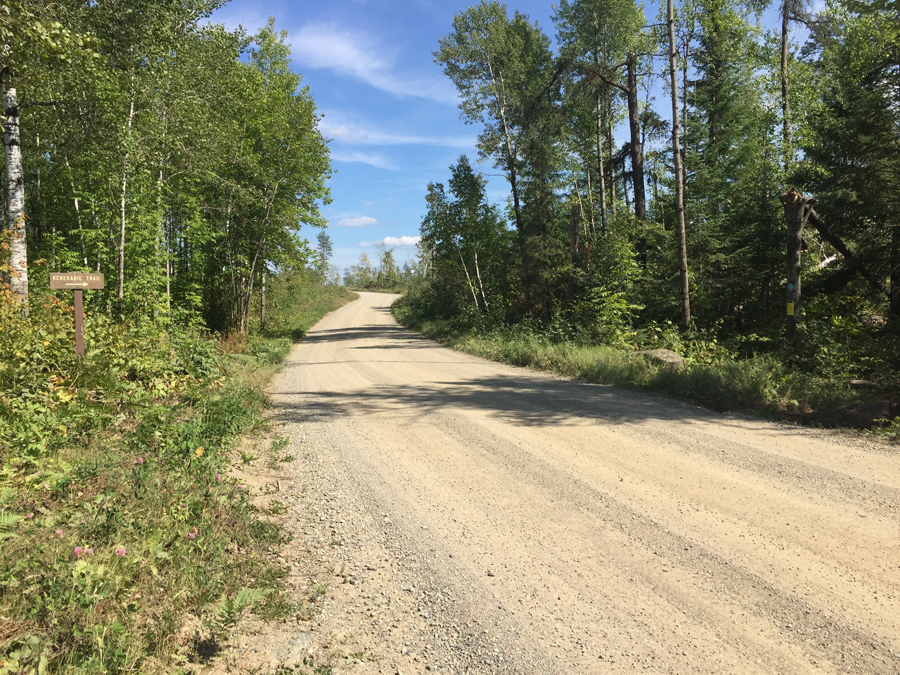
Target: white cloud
(405,240)
(372,159)
(362,221)
(356,55)
(359,135)
(402,241)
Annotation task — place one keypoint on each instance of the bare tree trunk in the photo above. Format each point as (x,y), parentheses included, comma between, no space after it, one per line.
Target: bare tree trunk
(37,216)
(95,220)
(121,292)
(684,103)
(468,278)
(15,197)
(520,228)
(262,300)
(816,220)
(603,228)
(590,189)
(581,206)
(77,209)
(679,185)
(612,166)
(895,272)
(167,242)
(573,248)
(796,210)
(480,284)
(637,150)
(786,127)
(260,247)
(513,182)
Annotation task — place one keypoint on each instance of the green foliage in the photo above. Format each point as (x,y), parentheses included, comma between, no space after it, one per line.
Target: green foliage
(712,378)
(298,301)
(229,610)
(8,522)
(582,269)
(117,514)
(468,243)
(194,150)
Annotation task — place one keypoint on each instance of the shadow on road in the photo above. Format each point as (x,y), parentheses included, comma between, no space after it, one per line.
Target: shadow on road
(392,336)
(525,400)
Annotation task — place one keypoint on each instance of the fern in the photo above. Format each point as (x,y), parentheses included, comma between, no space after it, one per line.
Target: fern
(7,523)
(229,610)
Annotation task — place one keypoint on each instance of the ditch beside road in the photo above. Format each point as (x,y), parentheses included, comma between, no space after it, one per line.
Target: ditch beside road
(472,517)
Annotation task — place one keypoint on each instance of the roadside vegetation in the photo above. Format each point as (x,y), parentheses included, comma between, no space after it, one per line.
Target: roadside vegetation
(715,375)
(118,518)
(182,161)
(745,220)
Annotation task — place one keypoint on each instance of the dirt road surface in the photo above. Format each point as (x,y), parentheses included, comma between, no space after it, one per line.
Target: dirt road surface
(488,519)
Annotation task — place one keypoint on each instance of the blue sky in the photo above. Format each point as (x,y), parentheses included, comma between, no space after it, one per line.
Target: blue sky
(389,109)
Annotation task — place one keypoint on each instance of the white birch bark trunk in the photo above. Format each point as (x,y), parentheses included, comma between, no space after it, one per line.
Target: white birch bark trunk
(480,284)
(122,196)
(679,184)
(468,278)
(600,172)
(77,210)
(15,196)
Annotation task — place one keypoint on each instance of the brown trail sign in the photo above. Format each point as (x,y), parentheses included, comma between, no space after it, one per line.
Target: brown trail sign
(78,282)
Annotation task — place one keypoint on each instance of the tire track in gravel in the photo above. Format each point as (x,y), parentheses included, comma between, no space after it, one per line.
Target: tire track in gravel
(551,526)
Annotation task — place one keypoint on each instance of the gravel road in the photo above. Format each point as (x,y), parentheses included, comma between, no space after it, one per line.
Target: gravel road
(491,519)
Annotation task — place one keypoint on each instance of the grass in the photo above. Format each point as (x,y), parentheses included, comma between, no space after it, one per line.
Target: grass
(760,385)
(118,518)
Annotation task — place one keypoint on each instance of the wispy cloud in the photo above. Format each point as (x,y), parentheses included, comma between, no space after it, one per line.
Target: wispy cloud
(362,221)
(361,135)
(370,158)
(358,55)
(393,241)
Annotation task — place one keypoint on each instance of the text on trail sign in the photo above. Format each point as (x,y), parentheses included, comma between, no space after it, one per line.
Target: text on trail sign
(77,281)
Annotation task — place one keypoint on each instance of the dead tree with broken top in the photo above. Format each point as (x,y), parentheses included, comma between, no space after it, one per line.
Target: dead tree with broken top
(796,210)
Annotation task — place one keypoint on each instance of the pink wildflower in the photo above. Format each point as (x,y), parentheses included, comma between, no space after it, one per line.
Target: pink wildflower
(78,551)
(120,551)
(218,478)
(29,516)
(192,535)
(89,551)
(58,534)
(139,460)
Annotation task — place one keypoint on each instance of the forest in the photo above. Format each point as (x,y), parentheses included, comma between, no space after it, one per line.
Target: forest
(176,159)
(750,215)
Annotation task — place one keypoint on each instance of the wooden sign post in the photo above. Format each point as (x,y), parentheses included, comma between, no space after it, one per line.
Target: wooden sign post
(78,282)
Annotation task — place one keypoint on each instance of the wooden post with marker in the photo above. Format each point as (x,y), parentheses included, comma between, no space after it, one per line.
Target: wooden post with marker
(796,210)
(78,282)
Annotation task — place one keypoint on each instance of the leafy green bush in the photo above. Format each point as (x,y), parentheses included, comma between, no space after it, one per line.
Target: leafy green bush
(117,515)
(715,376)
